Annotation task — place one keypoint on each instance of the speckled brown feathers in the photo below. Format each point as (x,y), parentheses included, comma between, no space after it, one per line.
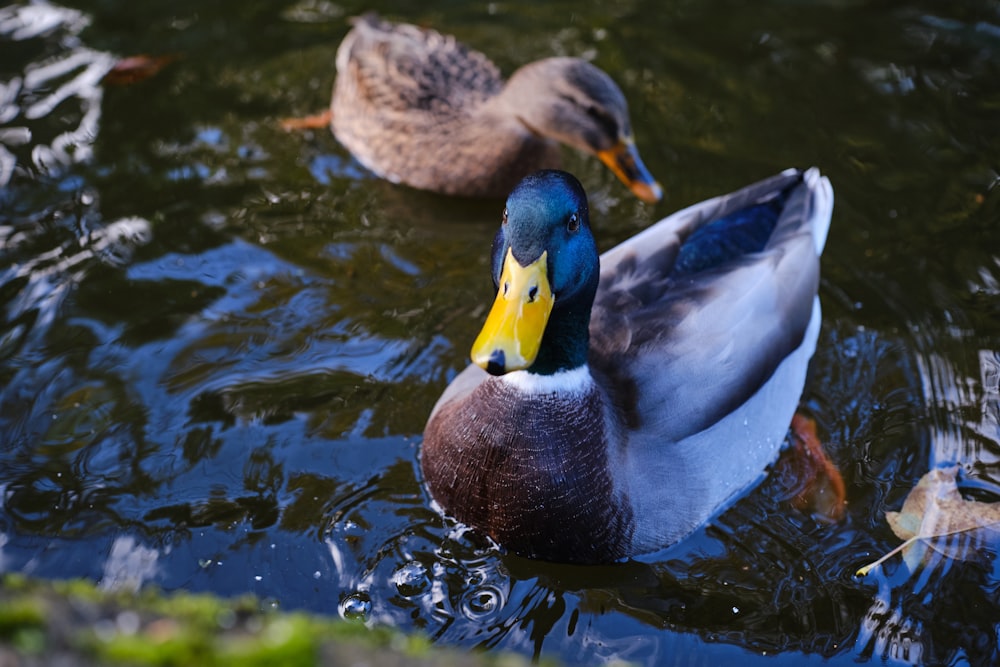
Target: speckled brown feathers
(411,105)
(419,108)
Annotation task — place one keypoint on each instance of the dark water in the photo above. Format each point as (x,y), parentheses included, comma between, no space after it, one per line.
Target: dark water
(219,342)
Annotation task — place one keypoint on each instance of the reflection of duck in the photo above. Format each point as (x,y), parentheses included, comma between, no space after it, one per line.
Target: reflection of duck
(593,447)
(417,107)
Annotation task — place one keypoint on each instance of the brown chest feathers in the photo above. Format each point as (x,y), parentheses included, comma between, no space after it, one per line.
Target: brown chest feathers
(540,493)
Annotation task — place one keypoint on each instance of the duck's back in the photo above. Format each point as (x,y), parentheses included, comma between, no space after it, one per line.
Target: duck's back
(704,325)
(727,285)
(405,68)
(412,106)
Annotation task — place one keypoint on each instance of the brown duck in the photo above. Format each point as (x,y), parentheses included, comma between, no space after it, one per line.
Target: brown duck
(419,108)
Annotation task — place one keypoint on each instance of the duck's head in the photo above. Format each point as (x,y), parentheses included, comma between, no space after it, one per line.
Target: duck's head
(545,271)
(572,101)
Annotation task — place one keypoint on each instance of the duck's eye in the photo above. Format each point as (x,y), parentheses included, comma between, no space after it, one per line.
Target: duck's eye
(504,219)
(603,120)
(573,223)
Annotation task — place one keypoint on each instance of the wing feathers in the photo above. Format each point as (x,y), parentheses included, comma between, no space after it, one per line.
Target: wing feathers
(684,350)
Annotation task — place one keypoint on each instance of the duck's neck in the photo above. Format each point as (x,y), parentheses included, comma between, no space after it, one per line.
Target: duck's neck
(529,97)
(566,341)
(573,382)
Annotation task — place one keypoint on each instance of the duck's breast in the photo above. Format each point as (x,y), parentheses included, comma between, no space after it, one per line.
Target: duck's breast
(529,468)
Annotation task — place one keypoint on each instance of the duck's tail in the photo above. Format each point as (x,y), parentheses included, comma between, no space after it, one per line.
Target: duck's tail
(821,205)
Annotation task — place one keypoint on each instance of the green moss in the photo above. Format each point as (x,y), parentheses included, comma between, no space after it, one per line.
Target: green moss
(79,589)
(140,649)
(20,614)
(285,641)
(200,609)
(15,583)
(150,629)
(292,640)
(22,622)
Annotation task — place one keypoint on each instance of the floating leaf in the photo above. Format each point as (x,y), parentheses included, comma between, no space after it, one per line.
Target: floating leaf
(935,510)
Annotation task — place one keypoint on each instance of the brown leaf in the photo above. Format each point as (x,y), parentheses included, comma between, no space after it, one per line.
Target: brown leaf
(935,513)
(810,479)
(134,69)
(316,121)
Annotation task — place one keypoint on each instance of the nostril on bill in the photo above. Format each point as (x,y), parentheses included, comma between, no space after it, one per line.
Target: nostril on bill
(497,363)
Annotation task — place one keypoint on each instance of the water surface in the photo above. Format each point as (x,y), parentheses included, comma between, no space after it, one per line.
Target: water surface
(220,341)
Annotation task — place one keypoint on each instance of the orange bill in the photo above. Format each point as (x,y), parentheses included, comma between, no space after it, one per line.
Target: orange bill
(624,161)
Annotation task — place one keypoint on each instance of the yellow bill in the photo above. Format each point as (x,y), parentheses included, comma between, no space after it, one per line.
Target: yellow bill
(624,161)
(514,327)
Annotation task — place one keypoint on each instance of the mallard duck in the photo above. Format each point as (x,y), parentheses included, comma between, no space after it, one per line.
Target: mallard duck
(417,107)
(616,403)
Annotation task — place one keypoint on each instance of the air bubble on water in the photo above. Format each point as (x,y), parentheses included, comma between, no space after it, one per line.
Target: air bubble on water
(411,579)
(356,607)
(482,602)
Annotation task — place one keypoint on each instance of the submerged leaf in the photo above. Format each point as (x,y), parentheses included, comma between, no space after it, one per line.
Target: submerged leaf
(134,69)
(813,479)
(316,121)
(935,513)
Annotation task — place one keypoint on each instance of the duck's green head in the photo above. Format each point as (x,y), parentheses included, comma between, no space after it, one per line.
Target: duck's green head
(545,270)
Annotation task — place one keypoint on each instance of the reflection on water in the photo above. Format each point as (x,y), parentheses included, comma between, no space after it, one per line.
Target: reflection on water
(967,436)
(219,342)
(67,77)
(129,565)
(916,609)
